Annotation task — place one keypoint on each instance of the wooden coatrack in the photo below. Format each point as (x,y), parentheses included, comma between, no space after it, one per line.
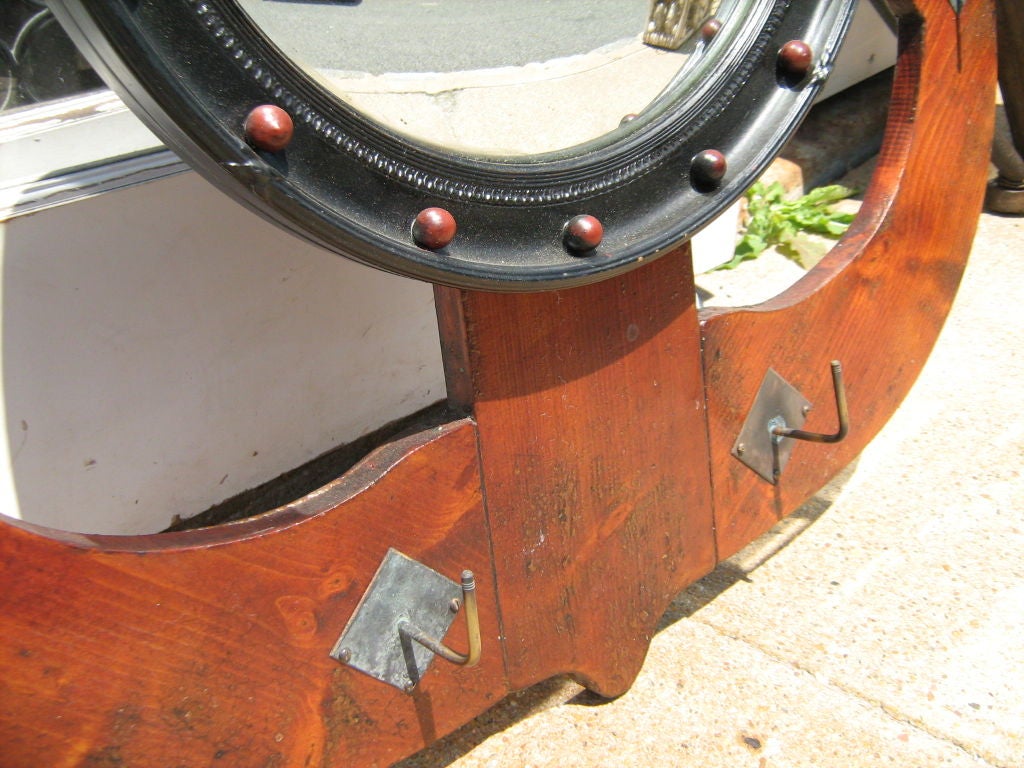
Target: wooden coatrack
(588,473)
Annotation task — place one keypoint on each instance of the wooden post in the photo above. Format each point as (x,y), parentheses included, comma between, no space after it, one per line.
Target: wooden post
(589,407)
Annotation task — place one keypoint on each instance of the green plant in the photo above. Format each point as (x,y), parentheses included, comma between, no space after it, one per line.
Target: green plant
(774,221)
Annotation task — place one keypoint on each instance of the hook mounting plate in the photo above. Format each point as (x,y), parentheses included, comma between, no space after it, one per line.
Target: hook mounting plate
(402,590)
(778,403)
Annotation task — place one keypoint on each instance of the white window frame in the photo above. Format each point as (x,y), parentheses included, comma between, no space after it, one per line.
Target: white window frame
(69,149)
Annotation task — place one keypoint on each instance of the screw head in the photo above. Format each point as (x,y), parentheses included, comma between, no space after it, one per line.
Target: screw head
(582,233)
(794,62)
(741,449)
(707,169)
(268,127)
(345,655)
(433,228)
(455,605)
(711,28)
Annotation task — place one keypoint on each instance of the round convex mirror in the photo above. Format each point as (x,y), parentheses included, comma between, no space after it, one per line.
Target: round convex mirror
(502,79)
(499,146)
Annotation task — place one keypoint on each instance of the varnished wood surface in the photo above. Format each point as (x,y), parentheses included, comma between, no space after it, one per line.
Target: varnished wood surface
(581,497)
(590,412)
(211,647)
(878,301)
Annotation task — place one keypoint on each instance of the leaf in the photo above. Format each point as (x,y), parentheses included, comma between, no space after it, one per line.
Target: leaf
(749,247)
(774,221)
(836,228)
(804,250)
(830,194)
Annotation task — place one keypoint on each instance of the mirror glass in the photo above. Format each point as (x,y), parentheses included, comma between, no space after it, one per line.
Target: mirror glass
(502,78)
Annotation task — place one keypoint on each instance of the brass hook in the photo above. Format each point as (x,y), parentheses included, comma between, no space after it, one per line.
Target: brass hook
(779,432)
(435,646)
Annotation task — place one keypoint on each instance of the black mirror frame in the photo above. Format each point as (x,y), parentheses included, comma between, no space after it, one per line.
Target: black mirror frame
(194,69)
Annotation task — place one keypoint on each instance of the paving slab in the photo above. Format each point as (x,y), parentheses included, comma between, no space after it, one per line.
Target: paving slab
(709,699)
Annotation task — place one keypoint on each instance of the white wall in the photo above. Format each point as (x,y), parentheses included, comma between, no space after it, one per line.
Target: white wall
(869,48)
(164,349)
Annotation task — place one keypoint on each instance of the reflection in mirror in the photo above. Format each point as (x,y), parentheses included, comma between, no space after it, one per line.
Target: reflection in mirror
(38,62)
(501,78)
(673,22)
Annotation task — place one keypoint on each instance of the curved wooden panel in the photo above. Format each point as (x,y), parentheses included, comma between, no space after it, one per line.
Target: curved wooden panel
(878,301)
(212,646)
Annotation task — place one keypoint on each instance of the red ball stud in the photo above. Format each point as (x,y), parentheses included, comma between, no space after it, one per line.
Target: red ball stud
(582,233)
(268,128)
(795,61)
(433,228)
(707,169)
(711,28)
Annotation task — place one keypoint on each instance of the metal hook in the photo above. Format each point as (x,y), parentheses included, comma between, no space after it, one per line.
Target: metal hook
(844,415)
(435,646)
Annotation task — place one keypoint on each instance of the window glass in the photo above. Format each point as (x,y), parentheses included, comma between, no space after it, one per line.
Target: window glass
(38,62)
(63,135)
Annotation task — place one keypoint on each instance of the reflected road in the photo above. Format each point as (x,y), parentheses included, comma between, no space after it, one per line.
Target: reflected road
(380,36)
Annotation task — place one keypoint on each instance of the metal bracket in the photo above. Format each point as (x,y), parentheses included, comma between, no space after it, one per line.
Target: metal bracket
(393,634)
(766,440)
(778,403)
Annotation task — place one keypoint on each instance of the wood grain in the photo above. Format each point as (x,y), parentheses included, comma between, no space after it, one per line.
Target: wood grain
(590,412)
(878,301)
(211,647)
(581,495)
